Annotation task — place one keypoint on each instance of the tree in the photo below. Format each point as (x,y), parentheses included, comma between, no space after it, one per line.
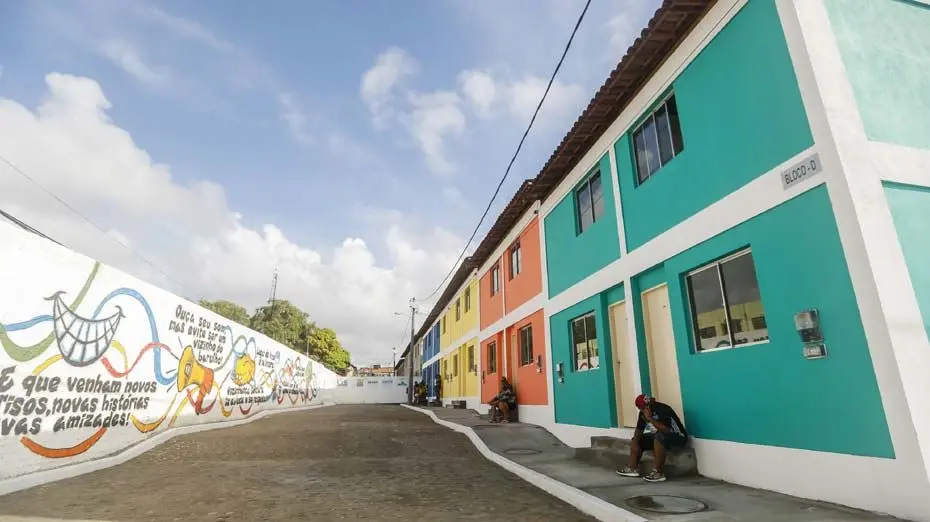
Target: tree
(283,322)
(324,346)
(228,309)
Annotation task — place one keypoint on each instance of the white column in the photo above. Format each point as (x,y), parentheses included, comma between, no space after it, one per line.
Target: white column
(550,366)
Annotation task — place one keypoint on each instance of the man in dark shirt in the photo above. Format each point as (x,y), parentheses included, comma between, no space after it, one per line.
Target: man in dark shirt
(669,433)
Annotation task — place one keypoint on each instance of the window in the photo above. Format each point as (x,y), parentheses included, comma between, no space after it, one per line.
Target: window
(726,294)
(526,345)
(443,325)
(471,358)
(445,368)
(495,279)
(492,357)
(589,202)
(455,365)
(516,260)
(584,338)
(458,310)
(467,300)
(657,140)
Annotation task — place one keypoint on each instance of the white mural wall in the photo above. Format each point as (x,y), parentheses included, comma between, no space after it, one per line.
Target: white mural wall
(93,360)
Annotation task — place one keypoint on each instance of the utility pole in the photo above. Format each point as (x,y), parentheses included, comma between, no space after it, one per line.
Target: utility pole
(413,314)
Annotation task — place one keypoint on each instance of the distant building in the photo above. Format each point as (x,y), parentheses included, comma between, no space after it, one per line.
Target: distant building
(376,370)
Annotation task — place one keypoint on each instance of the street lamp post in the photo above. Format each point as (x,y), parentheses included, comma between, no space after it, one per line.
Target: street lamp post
(394,361)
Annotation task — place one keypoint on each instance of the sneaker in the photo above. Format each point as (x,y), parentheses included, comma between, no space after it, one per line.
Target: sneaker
(627,471)
(654,476)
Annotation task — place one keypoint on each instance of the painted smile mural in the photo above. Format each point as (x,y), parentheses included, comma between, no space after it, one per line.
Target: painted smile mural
(70,376)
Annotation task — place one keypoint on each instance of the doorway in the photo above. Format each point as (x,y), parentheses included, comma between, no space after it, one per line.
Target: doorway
(660,347)
(623,381)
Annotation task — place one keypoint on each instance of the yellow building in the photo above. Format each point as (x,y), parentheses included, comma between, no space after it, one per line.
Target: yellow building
(458,342)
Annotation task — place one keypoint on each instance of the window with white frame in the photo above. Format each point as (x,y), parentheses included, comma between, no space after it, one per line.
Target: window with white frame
(516,260)
(526,345)
(495,279)
(584,340)
(443,324)
(726,305)
(589,202)
(455,365)
(657,139)
(458,310)
(471,357)
(467,300)
(492,357)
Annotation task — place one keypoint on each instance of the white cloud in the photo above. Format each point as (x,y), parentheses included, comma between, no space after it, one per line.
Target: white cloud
(127,58)
(380,81)
(292,113)
(493,96)
(434,117)
(563,99)
(480,89)
(69,145)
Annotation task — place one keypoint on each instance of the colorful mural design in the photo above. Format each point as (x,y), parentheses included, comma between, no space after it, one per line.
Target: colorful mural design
(94,383)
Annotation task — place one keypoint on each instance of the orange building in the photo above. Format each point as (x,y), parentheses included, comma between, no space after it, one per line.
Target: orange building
(512,321)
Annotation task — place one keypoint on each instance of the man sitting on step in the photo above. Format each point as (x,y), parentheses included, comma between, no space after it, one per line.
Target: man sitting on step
(669,434)
(503,403)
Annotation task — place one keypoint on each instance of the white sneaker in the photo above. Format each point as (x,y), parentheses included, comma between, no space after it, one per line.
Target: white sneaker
(627,471)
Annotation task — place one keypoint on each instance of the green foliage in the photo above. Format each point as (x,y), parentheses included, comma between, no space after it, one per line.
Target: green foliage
(228,309)
(324,346)
(289,325)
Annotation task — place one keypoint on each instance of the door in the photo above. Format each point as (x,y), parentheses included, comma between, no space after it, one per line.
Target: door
(623,376)
(660,346)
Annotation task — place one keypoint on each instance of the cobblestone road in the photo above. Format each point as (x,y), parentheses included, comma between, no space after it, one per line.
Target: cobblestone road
(334,463)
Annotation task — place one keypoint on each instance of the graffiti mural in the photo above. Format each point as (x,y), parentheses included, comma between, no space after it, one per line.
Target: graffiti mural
(96,368)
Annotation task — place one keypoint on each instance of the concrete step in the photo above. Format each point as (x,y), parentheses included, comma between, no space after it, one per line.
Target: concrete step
(614,453)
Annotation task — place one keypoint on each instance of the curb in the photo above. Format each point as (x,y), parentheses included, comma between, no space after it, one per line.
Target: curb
(581,500)
(39,478)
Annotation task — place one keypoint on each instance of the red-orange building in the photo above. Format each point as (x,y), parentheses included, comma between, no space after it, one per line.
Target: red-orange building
(512,321)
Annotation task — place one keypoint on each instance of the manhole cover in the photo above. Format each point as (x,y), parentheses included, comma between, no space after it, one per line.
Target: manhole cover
(666,504)
(521,451)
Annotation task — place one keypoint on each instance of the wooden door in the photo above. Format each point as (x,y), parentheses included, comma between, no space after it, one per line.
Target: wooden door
(623,375)
(660,346)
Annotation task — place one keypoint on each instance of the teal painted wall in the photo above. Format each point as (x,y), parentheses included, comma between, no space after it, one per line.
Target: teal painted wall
(578,400)
(910,209)
(644,281)
(741,115)
(570,257)
(885,45)
(768,393)
(615,294)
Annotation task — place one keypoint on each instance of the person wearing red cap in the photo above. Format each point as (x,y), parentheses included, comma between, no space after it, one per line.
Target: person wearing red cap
(669,433)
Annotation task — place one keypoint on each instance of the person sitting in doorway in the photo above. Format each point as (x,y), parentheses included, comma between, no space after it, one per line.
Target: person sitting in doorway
(503,402)
(669,434)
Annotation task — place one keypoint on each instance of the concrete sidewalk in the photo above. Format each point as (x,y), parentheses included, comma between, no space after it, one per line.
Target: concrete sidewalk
(537,449)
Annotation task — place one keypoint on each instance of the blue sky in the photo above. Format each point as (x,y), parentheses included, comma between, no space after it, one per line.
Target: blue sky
(384,124)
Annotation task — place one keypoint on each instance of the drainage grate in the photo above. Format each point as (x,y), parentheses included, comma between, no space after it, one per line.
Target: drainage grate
(522,451)
(666,504)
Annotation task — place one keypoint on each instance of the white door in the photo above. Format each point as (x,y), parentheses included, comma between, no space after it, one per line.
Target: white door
(660,346)
(623,380)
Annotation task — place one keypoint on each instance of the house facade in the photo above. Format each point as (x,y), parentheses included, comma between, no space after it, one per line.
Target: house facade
(741,232)
(512,322)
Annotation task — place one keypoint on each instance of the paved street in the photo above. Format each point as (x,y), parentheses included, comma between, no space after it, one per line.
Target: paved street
(334,463)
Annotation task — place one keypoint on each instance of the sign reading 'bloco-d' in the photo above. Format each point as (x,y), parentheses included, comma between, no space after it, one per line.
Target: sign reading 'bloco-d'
(804,169)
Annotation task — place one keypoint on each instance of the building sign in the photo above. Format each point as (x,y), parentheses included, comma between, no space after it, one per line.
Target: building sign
(805,169)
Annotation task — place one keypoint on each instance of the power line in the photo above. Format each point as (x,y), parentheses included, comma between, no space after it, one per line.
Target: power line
(516,152)
(25,226)
(92,223)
